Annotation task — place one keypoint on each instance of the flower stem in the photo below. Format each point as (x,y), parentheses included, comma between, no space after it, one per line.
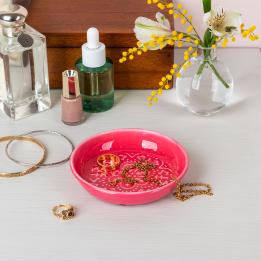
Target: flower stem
(185,17)
(207,54)
(201,68)
(188,35)
(218,75)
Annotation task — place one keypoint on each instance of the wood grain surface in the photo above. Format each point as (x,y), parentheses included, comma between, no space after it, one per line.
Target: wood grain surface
(141,73)
(65,23)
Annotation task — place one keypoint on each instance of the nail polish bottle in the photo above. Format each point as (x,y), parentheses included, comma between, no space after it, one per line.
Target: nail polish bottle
(71,101)
(96,75)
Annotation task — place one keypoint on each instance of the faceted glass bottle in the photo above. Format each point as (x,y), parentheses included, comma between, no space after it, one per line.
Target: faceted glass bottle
(96,86)
(24,82)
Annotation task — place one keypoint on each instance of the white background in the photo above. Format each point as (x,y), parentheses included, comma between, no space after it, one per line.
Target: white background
(250,9)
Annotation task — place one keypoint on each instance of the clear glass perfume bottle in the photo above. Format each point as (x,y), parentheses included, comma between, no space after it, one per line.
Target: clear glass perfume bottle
(24,82)
(96,75)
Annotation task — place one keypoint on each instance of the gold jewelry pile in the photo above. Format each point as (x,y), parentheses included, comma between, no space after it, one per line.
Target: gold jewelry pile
(183,191)
(142,165)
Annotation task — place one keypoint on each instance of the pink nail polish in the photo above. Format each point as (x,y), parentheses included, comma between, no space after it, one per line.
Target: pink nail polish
(71,100)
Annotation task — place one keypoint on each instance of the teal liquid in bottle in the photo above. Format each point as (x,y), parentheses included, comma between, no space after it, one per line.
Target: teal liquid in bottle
(96,75)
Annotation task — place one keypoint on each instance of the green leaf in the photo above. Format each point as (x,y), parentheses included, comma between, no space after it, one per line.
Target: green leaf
(206,5)
(208,38)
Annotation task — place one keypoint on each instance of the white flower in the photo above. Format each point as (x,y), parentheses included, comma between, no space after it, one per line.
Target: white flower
(222,22)
(145,28)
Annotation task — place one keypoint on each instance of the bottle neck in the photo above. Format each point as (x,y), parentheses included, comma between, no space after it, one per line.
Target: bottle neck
(12,31)
(207,54)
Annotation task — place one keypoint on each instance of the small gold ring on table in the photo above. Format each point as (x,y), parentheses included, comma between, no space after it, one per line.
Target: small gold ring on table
(108,161)
(31,168)
(64,211)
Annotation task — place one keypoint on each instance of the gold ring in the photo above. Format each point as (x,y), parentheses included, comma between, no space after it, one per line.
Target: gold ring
(33,167)
(64,211)
(108,161)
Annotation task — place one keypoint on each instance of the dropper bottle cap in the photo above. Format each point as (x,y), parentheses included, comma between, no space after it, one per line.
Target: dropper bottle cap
(93,52)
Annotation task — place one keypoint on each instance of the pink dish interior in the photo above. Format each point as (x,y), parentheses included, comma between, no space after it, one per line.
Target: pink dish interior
(130,145)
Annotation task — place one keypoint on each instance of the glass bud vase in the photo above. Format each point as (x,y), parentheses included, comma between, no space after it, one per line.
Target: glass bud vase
(205,85)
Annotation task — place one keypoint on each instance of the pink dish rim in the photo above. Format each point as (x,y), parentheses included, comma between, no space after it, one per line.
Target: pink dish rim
(75,173)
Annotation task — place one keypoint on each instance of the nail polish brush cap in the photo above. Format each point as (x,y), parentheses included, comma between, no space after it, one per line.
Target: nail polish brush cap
(71,88)
(93,52)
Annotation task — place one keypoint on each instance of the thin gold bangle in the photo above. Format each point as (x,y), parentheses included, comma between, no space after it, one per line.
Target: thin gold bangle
(33,167)
(40,132)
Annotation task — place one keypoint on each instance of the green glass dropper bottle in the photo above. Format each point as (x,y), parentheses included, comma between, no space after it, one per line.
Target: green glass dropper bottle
(96,75)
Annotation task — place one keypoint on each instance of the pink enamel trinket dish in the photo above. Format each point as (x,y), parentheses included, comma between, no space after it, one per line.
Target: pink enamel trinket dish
(128,183)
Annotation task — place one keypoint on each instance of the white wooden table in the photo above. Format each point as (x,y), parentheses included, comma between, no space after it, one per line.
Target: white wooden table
(224,150)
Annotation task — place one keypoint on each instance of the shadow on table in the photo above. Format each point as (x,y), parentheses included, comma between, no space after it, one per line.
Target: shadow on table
(197,171)
(55,98)
(233,108)
(119,97)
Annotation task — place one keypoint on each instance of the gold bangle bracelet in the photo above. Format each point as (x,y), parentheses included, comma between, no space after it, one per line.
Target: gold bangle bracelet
(33,167)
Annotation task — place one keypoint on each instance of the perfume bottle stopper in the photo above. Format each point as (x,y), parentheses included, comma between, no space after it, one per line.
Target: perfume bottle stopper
(14,8)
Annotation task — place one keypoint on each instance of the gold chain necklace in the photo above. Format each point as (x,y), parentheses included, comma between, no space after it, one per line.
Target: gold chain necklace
(183,191)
